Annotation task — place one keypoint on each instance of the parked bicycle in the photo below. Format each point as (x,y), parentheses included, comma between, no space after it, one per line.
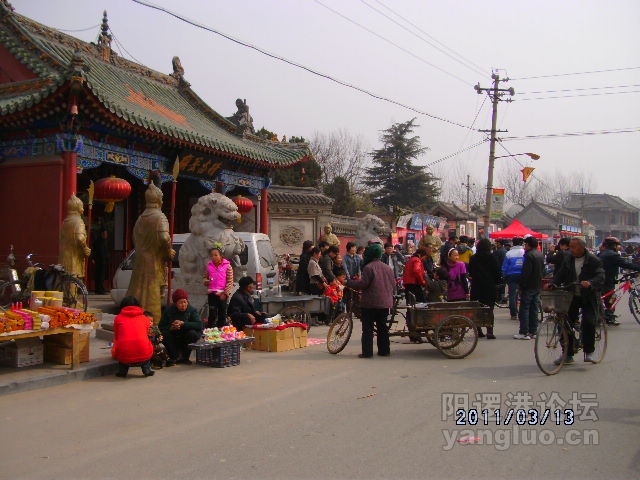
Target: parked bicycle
(37,277)
(556,331)
(626,286)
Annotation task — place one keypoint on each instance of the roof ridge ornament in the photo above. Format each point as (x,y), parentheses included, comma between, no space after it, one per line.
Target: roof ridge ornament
(178,72)
(7,5)
(104,39)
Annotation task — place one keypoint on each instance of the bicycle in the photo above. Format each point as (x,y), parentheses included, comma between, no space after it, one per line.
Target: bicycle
(341,328)
(74,291)
(625,286)
(556,331)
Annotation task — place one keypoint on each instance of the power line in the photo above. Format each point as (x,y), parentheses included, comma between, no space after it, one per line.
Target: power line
(574,134)
(577,89)
(408,52)
(298,65)
(80,29)
(451,155)
(441,50)
(578,73)
(577,95)
(121,46)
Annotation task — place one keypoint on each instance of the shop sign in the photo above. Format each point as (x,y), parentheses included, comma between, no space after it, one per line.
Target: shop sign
(199,166)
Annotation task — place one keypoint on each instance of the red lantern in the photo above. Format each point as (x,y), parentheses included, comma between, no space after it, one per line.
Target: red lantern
(111,190)
(244,204)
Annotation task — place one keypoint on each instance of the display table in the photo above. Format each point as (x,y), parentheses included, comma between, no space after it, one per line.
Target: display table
(279,339)
(74,332)
(313,304)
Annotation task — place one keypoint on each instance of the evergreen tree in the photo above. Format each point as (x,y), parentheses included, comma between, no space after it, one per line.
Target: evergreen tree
(395,181)
(344,203)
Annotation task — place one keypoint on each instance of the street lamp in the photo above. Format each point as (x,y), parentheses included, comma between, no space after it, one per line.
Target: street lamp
(489,197)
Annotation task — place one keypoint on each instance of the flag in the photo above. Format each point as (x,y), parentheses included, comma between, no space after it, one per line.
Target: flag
(526,173)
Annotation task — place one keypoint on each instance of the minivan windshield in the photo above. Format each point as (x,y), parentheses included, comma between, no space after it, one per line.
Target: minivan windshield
(127,263)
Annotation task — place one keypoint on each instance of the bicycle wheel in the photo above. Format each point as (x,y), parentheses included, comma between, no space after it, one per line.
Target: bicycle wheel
(339,333)
(74,293)
(550,338)
(600,340)
(13,292)
(456,336)
(634,304)
(293,313)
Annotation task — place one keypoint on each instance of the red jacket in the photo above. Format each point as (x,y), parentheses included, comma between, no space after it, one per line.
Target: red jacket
(131,342)
(414,272)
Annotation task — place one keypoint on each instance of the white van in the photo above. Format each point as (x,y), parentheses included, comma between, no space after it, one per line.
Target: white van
(258,261)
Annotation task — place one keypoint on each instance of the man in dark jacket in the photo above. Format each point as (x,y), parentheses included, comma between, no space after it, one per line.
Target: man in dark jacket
(558,256)
(326,263)
(583,267)
(530,285)
(241,308)
(612,262)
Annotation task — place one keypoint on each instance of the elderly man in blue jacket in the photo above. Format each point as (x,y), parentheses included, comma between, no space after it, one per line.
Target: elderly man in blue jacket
(511,271)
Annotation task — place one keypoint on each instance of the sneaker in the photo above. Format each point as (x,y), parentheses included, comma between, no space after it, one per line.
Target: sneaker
(567,361)
(491,336)
(590,357)
(613,323)
(520,336)
(533,336)
(514,318)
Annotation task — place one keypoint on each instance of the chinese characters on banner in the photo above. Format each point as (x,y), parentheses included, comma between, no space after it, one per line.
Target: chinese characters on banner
(497,209)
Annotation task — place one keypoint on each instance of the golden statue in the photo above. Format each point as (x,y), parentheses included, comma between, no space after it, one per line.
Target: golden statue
(435,241)
(73,239)
(152,241)
(329,236)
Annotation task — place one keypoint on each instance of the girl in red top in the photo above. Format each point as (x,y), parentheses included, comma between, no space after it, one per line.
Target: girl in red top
(131,344)
(414,279)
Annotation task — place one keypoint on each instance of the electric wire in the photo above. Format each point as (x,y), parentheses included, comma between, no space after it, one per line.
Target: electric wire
(451,155)
(408,52)
(577,89)
(575,96)
(441,50)
(298,65)
(573,134)
(79,30)
(577,73)
(121,46)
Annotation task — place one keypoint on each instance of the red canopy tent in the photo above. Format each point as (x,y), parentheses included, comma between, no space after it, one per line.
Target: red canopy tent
(517,229)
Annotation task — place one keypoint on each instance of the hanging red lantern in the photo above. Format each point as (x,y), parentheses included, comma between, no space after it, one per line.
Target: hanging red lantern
(244,204)
(111,190)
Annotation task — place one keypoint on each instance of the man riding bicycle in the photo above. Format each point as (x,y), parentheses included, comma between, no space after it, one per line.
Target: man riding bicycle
(584,270)
(612,262)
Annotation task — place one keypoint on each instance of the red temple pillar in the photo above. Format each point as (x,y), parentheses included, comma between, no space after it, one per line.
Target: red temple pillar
(264,211)
(219,187)
(69,155)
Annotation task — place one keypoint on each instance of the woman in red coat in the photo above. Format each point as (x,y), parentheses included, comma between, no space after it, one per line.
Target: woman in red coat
(131,344)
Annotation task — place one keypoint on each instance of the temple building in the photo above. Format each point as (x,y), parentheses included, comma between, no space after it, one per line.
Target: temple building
(75,117)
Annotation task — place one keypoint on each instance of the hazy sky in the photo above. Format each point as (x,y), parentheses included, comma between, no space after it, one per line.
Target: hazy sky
(369,44)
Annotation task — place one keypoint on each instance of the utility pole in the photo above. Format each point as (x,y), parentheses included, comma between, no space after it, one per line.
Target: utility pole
(468,186)
(495,94)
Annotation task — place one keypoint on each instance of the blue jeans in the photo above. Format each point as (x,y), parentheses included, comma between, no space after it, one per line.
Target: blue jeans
(529,301)
(512,281)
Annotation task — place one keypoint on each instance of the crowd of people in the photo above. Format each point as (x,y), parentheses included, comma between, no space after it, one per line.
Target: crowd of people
(458,269)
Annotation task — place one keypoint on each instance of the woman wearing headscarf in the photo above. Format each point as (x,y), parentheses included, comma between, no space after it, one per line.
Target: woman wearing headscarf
(485,275)
(457,286)
(377,285)
(180,325)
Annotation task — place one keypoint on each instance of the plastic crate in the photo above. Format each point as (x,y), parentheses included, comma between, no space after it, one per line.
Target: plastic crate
(219,355)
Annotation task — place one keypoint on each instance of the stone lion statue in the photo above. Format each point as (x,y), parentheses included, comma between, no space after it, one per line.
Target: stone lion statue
(211,221)
(369,230)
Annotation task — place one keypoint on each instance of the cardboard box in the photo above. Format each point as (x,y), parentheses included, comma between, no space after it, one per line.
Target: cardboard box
(277,340)
(21,353)
(56,349)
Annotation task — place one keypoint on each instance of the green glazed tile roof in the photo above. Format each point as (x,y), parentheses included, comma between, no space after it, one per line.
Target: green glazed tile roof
(139,96)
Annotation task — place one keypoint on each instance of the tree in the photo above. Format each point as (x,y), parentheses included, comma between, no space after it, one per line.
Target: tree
(344,203)
(340,155)
(395,181)
(303,174)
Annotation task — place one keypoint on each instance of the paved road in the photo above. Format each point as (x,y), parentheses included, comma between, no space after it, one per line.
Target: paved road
(308,414)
